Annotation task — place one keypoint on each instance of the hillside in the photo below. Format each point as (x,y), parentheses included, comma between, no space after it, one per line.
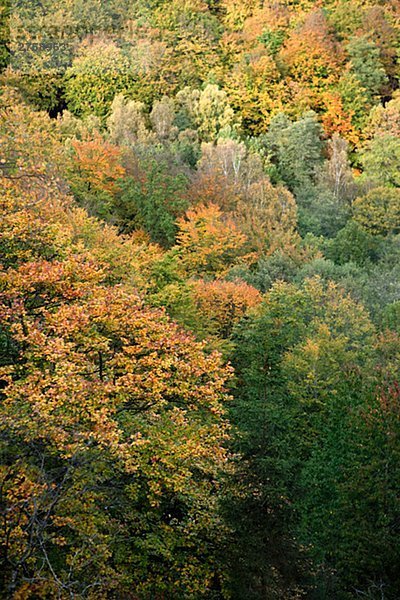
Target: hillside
(200,300)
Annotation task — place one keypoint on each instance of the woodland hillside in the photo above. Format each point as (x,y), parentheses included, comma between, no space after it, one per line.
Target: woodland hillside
(200,300)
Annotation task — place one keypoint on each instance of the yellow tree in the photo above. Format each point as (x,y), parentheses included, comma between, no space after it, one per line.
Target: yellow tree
(379,210)
(209,242)
(221,304)
(111,428)
(268,217)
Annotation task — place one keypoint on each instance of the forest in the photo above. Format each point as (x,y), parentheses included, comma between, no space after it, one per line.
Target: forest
(200,300)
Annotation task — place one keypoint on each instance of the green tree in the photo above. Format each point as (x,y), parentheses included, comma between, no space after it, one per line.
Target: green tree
(207,110)
(298,359)
(381,160)
(353,244)
(153,201)
(295,148)
(366,65)
(98,73)
(379,211)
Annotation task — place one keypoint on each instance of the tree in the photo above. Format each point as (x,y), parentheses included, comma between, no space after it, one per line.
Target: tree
(353,244)
(95,173)
(230,158)
(366,65)
(354,99)
(207,110)
(152,200)
(208,242)
(298,358)
(337,170)
(268,217)
(379,211)
(310,54)
(352,473)
(111,432)
(385,120)
(295,148)
(221,304)
(338,121)
(162,118)
(98,73)
(236,11)
(256,91)
(126,123)
(381,160)
(379,26)
(33,154)
(106,412)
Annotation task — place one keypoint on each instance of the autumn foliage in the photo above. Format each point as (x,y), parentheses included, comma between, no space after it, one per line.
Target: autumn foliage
(199,300)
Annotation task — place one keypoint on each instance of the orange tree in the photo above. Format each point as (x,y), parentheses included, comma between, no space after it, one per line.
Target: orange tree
(111,440)
(94,173)
(112,430)
(221,304)
(208,242)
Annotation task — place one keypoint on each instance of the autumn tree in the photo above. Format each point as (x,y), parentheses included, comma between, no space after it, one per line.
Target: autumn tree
(385,120)
(111,423)
(311,54)
(221,304)
(88,406)
(95,173)
(268,217)
(99,72)
(208,242)
(256,91)
(379,211)
(162,118)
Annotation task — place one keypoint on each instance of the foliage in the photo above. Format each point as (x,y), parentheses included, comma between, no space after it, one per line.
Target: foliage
(366,65)
(379,211)
(304,386)
(95,173)
(381,160)
(111,426)
(207,242)
(97,74)
(188,184)
(223,303)
(152,200)
(295,148)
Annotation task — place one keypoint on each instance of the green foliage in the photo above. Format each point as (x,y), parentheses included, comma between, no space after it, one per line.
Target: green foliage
(207,110)
(391,317)
(153,201)
(379,211)
(312,433)
(272,40)
(295,148)
(97,74)
(322,214)
(356,99)
(381,160)
(5,12)
(353,244)
(287,365)
(366,65)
